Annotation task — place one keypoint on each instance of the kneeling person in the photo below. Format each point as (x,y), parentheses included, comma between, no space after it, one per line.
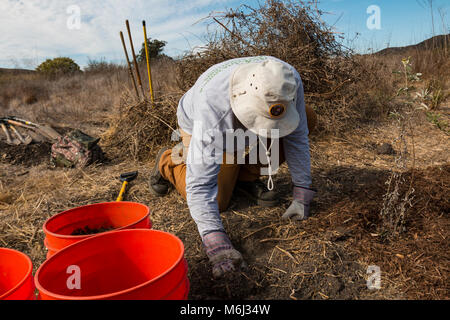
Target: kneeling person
(260,94)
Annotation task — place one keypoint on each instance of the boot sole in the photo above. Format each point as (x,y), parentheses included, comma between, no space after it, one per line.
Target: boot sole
(259,202)
(155,170)
(157,194)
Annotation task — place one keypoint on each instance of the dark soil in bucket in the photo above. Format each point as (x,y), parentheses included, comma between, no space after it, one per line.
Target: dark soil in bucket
(88,231)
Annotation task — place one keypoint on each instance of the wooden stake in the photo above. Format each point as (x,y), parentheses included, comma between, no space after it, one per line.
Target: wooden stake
(129,65)
(138,74)
(150,83)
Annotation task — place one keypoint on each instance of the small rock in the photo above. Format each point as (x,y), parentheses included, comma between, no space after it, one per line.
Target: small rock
(386,149)
(6,198)
(337,235)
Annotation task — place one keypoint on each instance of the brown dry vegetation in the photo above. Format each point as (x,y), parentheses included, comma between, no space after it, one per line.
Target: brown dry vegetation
(325,257)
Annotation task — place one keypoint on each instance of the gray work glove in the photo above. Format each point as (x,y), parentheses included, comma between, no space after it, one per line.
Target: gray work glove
(223,257)
(299,209)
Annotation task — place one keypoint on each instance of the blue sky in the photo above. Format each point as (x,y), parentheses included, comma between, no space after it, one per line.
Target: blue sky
(33,30)
(403,22)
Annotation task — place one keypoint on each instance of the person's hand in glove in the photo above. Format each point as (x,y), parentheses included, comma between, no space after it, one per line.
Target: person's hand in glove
(299,209)
(221,253)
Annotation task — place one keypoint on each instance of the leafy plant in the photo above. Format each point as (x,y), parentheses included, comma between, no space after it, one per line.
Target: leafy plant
(58,66)
(435,118)
(155,49)
(431,96)
(409,75)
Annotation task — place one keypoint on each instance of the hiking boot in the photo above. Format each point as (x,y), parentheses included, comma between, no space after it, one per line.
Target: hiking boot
(158,185)
(257,191)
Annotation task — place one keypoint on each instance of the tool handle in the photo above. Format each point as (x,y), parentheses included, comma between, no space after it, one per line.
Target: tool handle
(5,130)
(17,133)
(136,65)
(23,121)
(130,69)
(8,135)
(122,191)
(20,124)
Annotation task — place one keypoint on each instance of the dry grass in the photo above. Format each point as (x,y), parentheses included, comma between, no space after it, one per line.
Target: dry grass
(61,101)
(139,130)
(325,257)
(82,100)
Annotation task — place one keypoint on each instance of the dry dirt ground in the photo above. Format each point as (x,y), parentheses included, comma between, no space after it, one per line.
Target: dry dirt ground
(325,257)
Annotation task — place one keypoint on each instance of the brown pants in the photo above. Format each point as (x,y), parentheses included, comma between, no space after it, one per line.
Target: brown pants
(229,174)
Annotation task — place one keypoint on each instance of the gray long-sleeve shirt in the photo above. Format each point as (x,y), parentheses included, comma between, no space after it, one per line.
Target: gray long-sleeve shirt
(206,108)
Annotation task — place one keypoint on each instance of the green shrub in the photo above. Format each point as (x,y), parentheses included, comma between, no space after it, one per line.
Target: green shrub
(58,66)
(155,49)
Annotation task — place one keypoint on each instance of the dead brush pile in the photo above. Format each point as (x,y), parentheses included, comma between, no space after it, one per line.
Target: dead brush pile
(342,88)
(335,81)
(140,129)
(288,30)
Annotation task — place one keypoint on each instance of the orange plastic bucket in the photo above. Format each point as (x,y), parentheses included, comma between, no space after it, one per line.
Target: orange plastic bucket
(113,215)
(139,264)
(16,279)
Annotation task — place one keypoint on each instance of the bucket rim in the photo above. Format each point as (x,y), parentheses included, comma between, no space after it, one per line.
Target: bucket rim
(109,296)
(82,237)
(27,275)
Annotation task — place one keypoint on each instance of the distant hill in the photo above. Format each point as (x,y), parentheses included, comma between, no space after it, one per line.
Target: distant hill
(15,71)
(437,42)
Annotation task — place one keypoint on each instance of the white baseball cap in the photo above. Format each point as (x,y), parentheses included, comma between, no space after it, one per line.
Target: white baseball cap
(264,97)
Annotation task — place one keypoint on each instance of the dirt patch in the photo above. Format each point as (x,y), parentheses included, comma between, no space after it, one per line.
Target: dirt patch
(415,261)
(39,151)
(296,266)
(327,256)
(26,155)
(324,257)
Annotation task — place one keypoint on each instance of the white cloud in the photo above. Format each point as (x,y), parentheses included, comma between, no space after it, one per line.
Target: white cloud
(37,29)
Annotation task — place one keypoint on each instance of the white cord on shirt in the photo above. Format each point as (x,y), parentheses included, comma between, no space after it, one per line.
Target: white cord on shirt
(270,183)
